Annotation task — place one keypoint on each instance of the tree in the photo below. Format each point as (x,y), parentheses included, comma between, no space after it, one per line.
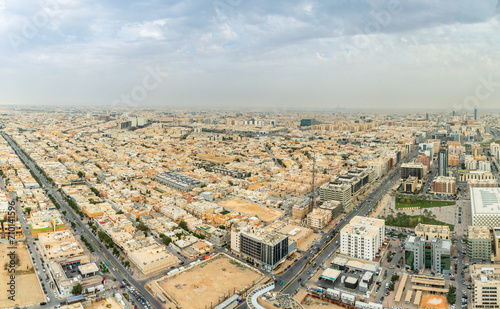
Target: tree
(27,210)
(451,294)
(81,174)
(73,225)
(183,225)
(77,289)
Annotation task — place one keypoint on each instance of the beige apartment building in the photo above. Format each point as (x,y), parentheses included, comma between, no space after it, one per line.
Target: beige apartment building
(486,286)
(430,232)
(59,245)
(318,218)
(149,256)
(362,237)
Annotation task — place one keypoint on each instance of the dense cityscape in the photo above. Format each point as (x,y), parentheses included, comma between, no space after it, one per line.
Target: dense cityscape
(230,154)
(224,209)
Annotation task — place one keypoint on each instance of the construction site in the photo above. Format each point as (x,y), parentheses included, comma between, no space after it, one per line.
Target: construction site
(207,283)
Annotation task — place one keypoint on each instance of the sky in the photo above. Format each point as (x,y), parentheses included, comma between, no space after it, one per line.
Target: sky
(293,54)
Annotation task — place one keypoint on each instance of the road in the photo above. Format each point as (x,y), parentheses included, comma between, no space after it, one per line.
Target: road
(120,273)
(301,270)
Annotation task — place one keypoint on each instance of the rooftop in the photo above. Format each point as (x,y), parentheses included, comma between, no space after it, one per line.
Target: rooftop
(479,232)
(485,201)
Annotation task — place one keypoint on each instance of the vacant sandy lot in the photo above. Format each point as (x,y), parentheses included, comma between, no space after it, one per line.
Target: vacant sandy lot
(251,209)
(27,289)
(314,303)
(209,283)
(258,185)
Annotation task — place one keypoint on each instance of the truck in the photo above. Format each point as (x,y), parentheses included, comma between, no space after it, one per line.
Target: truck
(320,290)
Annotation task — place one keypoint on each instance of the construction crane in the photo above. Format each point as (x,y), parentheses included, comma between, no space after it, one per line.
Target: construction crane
(313,196)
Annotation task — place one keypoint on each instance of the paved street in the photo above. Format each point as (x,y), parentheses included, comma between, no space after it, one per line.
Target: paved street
(104,255)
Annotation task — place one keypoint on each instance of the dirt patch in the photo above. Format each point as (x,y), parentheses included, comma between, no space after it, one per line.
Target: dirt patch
(314,303)
(251,209)
(307,243)
(27,289)
(258,185)
(210,282)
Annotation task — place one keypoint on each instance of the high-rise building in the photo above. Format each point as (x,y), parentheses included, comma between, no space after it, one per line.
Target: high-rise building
(479,243)
(430,248)
(265,248)
(308,122)
(475,112)
(362,237)
(336,191)
(486,286)
(443,162)
(418,170)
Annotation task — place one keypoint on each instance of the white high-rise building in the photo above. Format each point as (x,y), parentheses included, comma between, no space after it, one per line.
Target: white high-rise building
(362,237)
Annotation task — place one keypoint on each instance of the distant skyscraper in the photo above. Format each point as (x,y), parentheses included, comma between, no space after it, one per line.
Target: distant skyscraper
(443,162)
(453,113)
(427,116)
(475,112)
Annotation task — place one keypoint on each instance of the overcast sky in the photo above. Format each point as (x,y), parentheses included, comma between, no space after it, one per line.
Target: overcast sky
(251,54)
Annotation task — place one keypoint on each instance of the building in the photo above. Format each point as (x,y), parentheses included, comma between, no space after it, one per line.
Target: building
(220,238)
(485,206)
(430,248)
(362,237)
(352,181)
(318,218)
(443,162)
(444,185)
(45,221)
(336,191)
(179,181)
(425,160)
(483,183)
(410,184)
(486,286)
(59,246)
(430,232)
(475,112)
(413,169)
(263,248)
(421,253)
(300,211)
(479,243)
(334,207)
(477,175)
(309,122)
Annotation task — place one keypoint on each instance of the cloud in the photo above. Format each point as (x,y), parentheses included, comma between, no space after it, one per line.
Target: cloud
(252,46)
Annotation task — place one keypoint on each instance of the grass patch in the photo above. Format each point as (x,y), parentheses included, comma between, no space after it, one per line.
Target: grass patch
(403,220)
(406,202)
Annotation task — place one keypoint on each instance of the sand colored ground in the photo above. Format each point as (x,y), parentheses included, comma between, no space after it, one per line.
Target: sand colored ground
(314,303)
(209,283)
(251,209)
(308,242)
(102,304)
(27,288)
(433,301)
(258,185)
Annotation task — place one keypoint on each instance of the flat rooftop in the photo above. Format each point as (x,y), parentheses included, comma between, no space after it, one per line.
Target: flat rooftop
(485,201)
(366,221)
(359,230)
(479,232)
